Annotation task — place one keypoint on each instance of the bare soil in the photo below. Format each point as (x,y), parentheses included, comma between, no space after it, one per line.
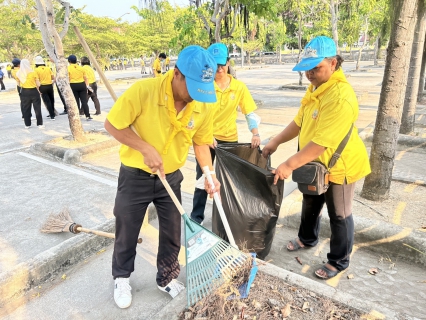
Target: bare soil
(270,298)
(70,143)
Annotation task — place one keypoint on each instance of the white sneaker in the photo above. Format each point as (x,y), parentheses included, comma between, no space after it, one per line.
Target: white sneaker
(122,293)
(173,288)
(41,126)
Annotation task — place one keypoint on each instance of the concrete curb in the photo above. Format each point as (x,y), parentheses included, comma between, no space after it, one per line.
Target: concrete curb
(171,310)
(54,261)
(377,236)
(73,156)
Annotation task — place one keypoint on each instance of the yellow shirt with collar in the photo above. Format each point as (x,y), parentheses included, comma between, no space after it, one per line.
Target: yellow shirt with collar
(145,105)
(44,74)
(8,68)
(30,82)
(90,73)
(325,117)
(76,73)
(225,109)
(167,61)
(157,67)
(13,73)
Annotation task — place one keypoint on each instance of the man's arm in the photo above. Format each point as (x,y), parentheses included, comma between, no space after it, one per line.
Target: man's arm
(129,138)
(202,153)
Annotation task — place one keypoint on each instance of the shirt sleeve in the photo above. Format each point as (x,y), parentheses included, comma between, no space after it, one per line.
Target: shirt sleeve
(338,115)
(204,134)
(246,104)
(127,108)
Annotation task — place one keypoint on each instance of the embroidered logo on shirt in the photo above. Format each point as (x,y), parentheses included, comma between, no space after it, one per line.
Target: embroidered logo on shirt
(315,114)
(190,125)
(232,96)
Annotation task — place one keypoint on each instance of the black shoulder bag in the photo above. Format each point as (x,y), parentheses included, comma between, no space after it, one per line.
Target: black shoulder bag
(312,178)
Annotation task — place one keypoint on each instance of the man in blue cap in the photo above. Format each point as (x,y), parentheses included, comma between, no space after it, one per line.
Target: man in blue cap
(169,114)
(326,117)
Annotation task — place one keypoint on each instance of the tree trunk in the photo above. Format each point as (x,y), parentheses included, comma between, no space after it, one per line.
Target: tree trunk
(299,57)
(412,91)
(56,53)
(422,75)
(377,184)
(363,44)
(376,50)
(334,10)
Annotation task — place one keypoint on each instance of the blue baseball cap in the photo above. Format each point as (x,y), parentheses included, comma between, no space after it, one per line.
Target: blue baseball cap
(219,52)
(316,51)
(72,59)
(199,68)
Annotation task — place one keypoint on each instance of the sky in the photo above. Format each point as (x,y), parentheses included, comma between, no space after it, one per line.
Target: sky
(115,9)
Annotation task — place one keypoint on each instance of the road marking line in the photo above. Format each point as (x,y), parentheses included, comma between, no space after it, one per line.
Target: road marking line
(398,212)
(69,169)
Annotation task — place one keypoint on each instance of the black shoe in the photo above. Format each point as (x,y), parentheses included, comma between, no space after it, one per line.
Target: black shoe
(48,116)
(89,118)
(62,113)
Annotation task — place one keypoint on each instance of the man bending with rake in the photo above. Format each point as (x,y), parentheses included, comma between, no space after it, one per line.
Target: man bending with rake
(169,113)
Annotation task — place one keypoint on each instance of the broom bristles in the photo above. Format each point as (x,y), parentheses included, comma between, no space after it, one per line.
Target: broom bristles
(56,223)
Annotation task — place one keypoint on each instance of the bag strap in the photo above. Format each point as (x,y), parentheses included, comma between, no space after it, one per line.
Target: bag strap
(336,155)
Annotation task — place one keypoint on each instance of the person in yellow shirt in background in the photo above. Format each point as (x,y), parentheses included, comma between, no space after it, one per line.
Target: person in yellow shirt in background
(167,63)
(16,66)
(79,85)
(231,94)
(327,114)
(156,66)
(45,75)
(9,70)
(143,68)
(169,114)
(93,93)
(30,93)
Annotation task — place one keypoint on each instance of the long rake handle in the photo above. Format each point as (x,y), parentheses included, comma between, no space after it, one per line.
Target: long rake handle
(100,233)
(222,214)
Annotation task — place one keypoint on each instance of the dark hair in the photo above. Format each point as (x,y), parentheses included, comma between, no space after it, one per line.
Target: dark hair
(85,61)
(162,55)
(339,61)
(40,65)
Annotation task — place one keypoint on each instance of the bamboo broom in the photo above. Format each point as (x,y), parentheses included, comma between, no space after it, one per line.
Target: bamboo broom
(63,222)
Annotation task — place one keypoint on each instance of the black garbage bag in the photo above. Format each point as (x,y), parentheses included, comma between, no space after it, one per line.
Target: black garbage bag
(250,199)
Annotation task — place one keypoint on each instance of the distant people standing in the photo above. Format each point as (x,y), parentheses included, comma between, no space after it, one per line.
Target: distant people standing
(79,85)
(167,63)
(85,62)
(143,69)
(2,87)
(16,65)
(9,70)
(45,75)
(30,93)
(156,67)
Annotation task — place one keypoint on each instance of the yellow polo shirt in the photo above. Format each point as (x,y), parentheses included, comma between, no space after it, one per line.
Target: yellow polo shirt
(167,60)
(76,73)
(30,83)
(145,105)
(157,67)
(325,117)
(14,71)
(44,74)
(90,73)
(8,68)
(225,109)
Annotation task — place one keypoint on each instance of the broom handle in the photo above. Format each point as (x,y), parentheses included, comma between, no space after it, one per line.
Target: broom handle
(222,214)
(101,233)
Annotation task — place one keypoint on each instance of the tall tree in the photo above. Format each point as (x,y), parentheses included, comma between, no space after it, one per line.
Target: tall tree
(52,40)
(422,75)
(377,184)
(333,6)
(408,114)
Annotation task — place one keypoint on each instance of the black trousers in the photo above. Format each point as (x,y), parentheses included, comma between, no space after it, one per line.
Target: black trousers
(135,191)
(2,87)
(48,98)
(338,199)
(80,94)
(200,196)
(31,97)
(94,96)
